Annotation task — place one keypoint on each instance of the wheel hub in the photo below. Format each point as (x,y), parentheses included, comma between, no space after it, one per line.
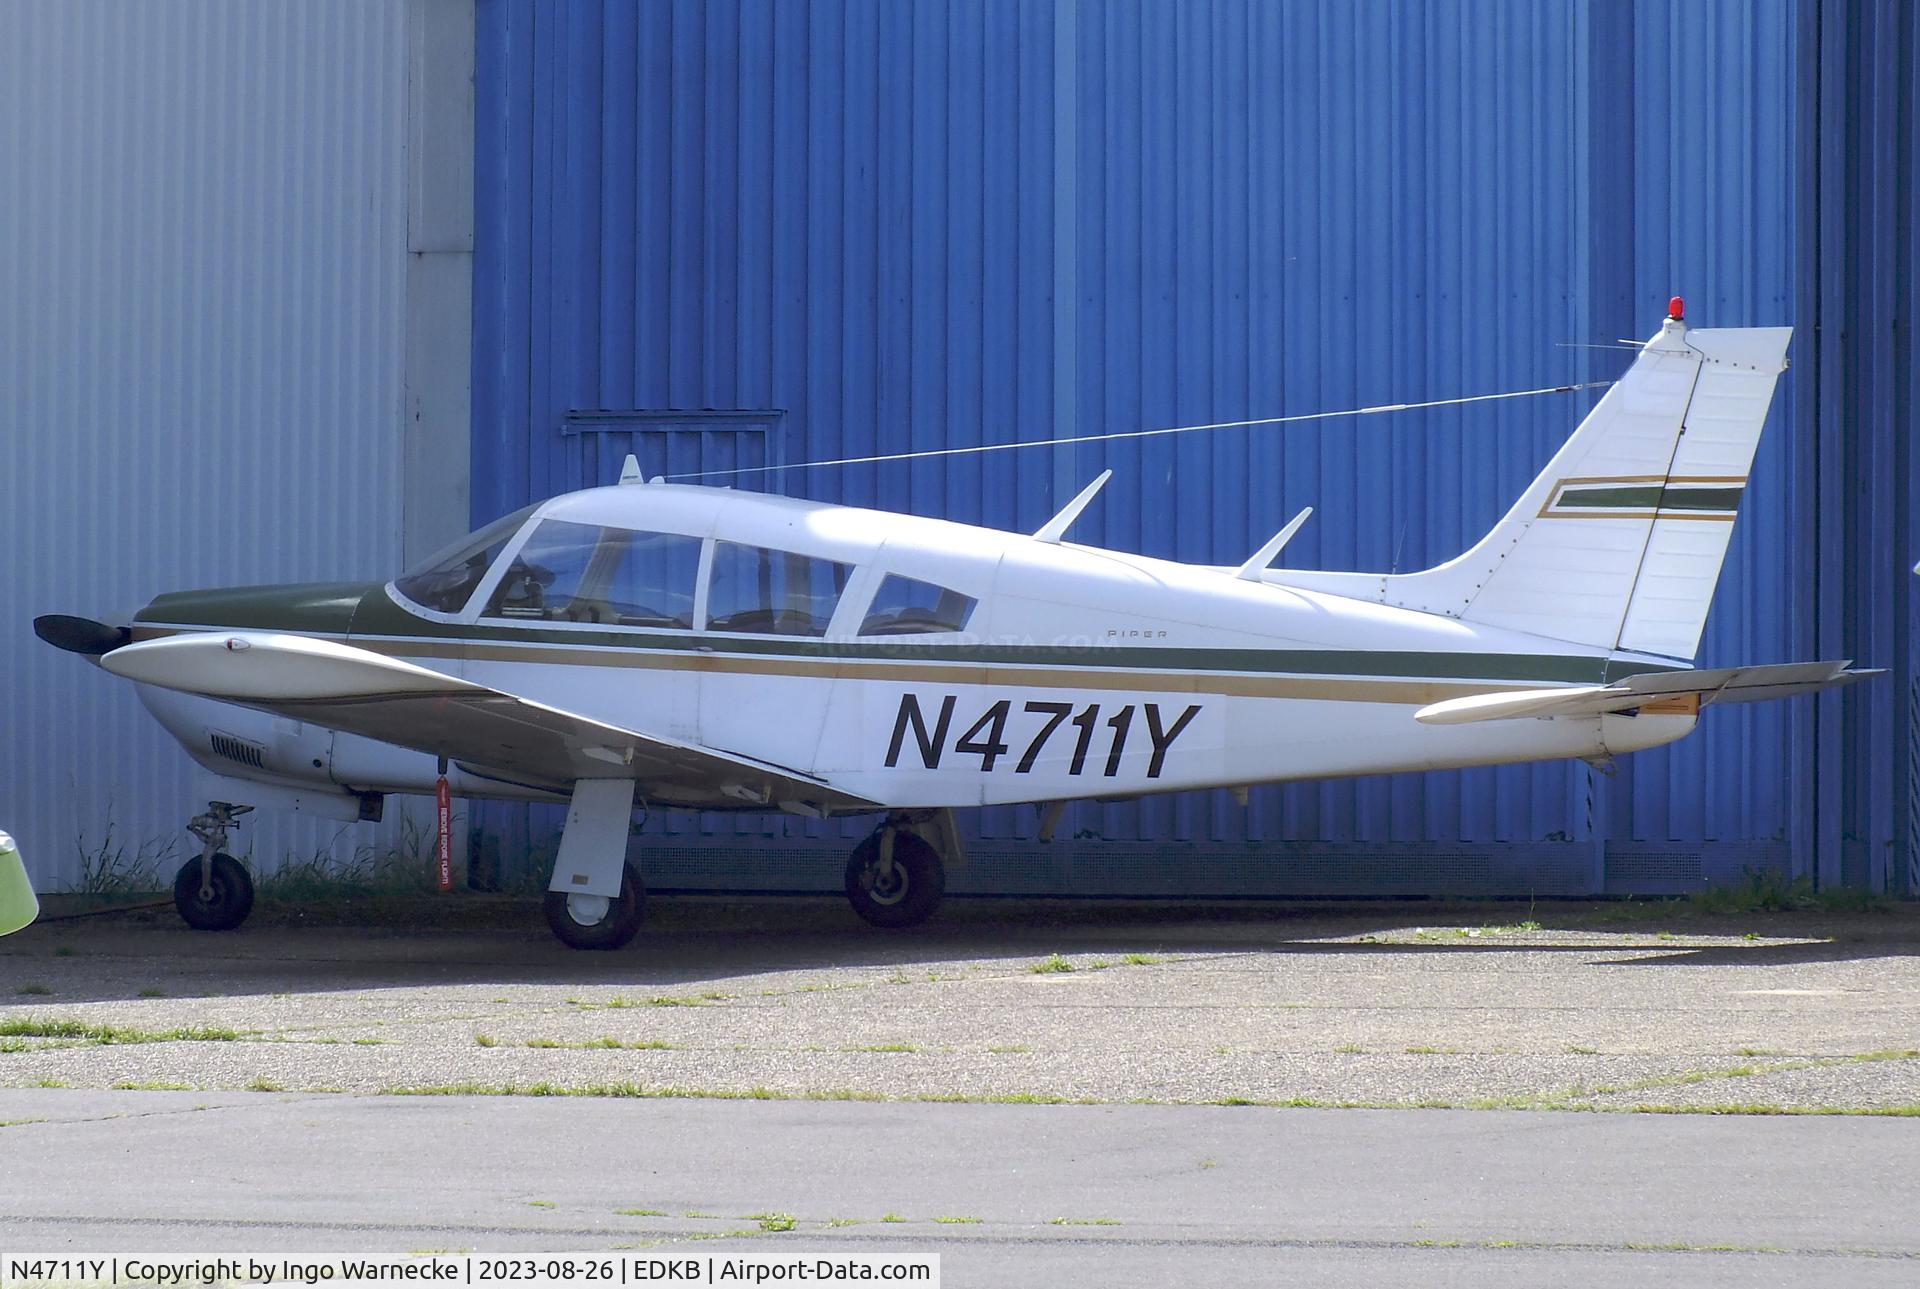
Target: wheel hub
(888,886)
(588,910)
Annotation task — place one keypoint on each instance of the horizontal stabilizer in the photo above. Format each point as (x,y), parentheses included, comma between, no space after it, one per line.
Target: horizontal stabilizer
(1679,692)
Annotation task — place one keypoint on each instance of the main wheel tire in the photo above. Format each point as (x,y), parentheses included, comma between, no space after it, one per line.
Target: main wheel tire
(615,930)
(228,899)
(910,895)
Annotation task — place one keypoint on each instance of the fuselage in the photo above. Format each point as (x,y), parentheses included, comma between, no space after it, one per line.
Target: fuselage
(909,661)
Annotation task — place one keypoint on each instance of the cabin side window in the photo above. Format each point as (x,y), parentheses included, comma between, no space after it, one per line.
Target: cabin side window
(568,572)
(652,585)
(772,592)
(905,606)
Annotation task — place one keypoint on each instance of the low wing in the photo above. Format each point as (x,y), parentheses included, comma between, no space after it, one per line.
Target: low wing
(1674,691)
(361,692)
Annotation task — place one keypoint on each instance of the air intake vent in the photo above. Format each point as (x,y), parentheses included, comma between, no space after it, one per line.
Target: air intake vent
(238,749)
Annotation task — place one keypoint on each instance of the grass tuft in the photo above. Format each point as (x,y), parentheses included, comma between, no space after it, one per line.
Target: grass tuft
(151,1085)
(110,1035)
(1052,965)
(1765,890)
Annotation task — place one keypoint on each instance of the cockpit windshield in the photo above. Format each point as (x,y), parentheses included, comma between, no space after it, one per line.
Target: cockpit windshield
(445,582)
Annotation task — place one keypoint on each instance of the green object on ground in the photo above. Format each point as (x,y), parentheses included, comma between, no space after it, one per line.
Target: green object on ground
(18,906)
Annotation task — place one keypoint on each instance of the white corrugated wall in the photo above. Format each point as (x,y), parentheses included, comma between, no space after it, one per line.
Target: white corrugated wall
(203,245)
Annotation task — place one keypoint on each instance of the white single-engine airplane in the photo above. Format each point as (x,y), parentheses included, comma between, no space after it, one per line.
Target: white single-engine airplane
(709,649)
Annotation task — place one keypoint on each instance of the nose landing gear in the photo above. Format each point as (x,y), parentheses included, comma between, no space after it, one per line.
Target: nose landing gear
(215,891)
(895,878)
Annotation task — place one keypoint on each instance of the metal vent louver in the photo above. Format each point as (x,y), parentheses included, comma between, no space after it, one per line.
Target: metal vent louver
(238,749)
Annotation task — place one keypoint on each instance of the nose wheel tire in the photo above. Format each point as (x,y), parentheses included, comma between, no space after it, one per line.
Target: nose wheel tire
(904,895)
(589,922)
(221,902)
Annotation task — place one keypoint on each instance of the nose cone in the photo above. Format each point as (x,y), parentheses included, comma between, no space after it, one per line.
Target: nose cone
(320,608)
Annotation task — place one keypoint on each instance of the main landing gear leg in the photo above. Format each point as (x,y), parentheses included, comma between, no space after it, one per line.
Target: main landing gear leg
(895,878)
(596,899)
(214,892)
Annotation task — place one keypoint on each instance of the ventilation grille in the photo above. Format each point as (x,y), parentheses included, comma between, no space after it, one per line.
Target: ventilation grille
(1656,866)
(238,749)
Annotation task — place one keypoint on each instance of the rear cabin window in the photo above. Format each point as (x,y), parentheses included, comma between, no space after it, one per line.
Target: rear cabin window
(903,606)
(571,572)
(772,592)
(447,579)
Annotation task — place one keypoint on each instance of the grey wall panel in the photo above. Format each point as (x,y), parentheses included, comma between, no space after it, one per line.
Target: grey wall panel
(202,264)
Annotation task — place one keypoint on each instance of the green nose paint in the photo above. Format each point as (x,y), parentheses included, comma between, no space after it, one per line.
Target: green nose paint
(17,904)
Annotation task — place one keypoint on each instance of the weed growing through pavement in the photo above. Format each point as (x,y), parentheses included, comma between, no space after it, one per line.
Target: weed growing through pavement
(108,868)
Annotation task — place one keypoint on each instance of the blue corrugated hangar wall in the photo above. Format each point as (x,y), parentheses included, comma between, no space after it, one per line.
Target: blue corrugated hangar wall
(732,233)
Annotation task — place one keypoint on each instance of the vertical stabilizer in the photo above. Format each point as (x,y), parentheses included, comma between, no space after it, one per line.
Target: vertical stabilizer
(1619,542)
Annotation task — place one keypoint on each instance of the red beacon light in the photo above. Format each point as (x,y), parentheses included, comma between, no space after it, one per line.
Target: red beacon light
(1677,309)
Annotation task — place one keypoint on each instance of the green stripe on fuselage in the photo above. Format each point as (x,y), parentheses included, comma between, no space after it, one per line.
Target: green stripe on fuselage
(365,611)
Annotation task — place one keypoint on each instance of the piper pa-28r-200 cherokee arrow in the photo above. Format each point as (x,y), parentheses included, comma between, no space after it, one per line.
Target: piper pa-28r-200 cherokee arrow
(708,649)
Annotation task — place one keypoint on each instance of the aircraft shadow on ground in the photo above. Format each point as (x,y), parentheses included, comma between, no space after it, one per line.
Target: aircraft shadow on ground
(692,944)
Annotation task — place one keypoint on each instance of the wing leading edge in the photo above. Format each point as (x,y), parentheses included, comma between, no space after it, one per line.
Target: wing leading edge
(358,691)
(1670,691)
